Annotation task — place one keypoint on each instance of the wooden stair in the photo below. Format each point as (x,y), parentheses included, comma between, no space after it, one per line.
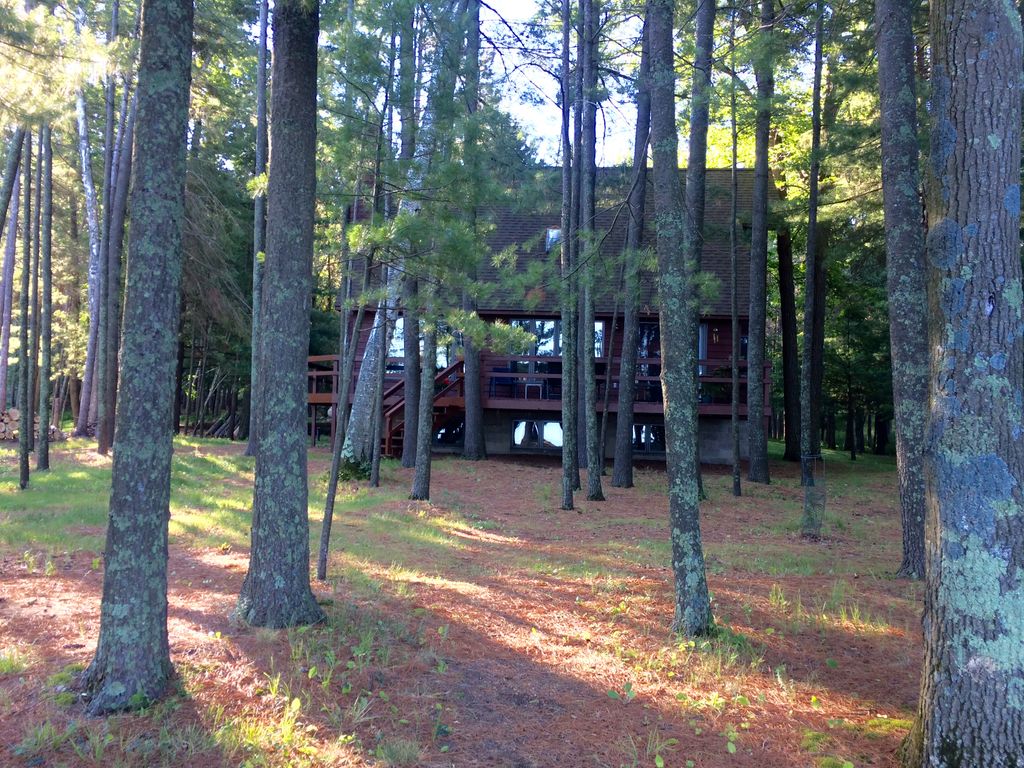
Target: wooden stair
(449,405)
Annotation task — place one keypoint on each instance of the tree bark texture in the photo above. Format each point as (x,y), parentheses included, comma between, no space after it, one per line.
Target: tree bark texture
(407,152)
(7,191)
(46,309)
(115,247)
(7,286)
(85,415)
(972,690)
(412,372)
(905,265)
(809,426)
(678,278)
(276,591)
(132,662)
(734,307)
(764,65)
(622,467)
(24,377)
(567,309)
(106,332)
(425,429)
(589,250)
(259,229)
(790,351)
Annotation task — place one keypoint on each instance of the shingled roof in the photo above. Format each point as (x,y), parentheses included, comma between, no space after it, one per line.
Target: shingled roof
(522,233)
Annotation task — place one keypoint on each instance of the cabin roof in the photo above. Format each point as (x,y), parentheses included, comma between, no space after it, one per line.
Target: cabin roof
(518,240)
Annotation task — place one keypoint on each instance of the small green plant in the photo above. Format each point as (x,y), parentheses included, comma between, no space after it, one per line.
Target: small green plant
(50,569)
(813,741)
(93,747)
(731,736)
(44,738)
(28,557)
(658,746)
(359,711)
(777,598)
(12,662)
(398,752)
(627,695)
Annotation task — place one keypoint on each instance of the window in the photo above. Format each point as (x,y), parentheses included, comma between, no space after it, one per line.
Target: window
(552,237)
(648,438)
(548,335)
(397,348)
(537,435)
(648,340)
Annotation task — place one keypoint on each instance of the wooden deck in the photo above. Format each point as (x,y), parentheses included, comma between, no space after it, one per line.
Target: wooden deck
(534,383)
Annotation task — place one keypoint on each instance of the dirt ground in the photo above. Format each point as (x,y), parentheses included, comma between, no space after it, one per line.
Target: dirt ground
(535,638)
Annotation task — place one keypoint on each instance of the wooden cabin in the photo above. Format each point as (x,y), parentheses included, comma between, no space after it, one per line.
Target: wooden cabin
(522,390)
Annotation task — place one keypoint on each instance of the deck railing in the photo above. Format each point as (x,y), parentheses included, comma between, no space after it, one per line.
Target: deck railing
(535,382)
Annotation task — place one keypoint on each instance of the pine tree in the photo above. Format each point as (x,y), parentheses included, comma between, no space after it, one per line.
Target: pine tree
(973,672)
(259,228)
(906,267)
(622,469)
(276,591)
(132,662)
(764,73)
(678,278)
(46,309)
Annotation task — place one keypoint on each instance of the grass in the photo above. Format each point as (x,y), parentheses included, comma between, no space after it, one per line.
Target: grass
(375,678)
(13,661)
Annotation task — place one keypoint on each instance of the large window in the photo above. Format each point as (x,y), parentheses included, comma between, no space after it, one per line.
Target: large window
(537,435)
(549,336)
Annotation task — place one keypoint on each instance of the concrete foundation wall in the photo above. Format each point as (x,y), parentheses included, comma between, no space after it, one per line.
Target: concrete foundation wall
(715,436)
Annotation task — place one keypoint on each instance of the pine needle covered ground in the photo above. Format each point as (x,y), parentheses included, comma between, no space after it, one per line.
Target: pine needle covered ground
(485,628)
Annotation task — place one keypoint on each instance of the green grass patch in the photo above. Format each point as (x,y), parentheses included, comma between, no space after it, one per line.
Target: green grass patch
(13,662)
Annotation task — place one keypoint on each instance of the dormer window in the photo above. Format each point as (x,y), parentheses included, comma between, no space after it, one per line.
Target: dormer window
(552,238)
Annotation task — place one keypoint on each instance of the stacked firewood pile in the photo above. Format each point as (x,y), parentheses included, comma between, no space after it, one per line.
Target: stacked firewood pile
(10,425)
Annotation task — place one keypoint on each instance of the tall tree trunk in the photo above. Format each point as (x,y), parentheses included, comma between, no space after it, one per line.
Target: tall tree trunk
(37,205)
(905,264)
(734,307)
(348,342)
(678,285)
(411,372)
(790,354)
(570,470)
(764,72)
(7,287)
(622,468)
(973,673)
(809,426)
(179,373)
(132,662)
(589,249)
(574,430)
(24,377)
(8,203)
(473,445)
(85,415)
(115,246)
(410,325)
(106,333)
(378,416)
(425,430)
(276,591)
(259,229)
(46,314)
(7,189)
